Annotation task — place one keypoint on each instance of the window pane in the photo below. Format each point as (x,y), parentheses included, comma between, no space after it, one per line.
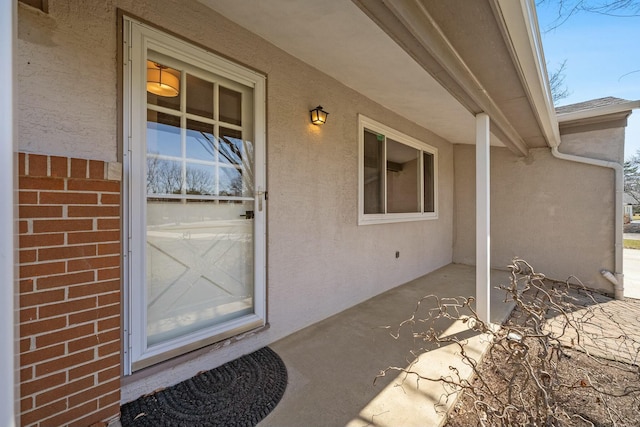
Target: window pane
(403,178)
(373,178)
(239,153)
(200,141)
(230,146)
(163,176)
(171,101)
(200,179)
(199,97)
(230,182)
(163,134)
(230,106)
(429,187)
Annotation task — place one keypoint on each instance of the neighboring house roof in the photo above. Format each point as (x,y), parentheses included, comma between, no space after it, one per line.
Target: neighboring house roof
(592,104)
(596,108)
(628,199)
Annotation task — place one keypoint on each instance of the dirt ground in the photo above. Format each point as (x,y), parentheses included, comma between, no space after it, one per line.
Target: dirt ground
(584,406)
(586,390)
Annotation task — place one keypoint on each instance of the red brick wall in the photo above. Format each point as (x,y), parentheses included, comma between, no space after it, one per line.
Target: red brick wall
(69,229)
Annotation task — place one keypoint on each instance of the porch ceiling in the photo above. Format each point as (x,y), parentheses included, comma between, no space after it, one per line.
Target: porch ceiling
(435,63)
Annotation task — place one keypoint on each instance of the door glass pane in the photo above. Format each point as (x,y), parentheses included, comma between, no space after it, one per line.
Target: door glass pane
(429,190)
(163,134)
(163,176)
(230,182)
(373,183)
(231,146)
(230,106)
(237,152)
(200,179)
(199,265)
(199,97)
(403,178)
(200,141)
(199,259)
(168,101)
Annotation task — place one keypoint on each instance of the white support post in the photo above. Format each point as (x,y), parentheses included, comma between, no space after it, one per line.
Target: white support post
(483,218)
(8,348)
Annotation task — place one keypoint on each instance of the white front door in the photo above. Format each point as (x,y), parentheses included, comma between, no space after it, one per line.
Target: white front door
(196,180)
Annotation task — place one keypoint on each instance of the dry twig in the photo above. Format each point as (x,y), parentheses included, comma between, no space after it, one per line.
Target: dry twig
(544,364)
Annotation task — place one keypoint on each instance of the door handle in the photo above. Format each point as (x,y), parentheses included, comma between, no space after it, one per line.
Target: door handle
(248,215)
(260,194)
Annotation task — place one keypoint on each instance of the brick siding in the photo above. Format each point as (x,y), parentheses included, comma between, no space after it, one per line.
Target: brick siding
(69,241)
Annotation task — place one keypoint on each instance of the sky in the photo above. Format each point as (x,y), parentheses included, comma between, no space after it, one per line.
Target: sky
(600,51)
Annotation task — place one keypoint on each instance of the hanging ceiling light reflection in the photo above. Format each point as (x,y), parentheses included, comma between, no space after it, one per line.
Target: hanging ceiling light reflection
(161,80)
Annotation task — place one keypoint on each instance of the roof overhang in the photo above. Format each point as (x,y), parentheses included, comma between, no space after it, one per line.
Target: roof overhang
(520,20)
(587,116)
(436,63)
(625,108)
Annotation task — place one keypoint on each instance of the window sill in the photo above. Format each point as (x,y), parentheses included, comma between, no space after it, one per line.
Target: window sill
(392,218)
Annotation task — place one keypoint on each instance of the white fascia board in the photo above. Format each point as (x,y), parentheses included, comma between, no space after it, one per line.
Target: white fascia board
(599,111)
(415,17)
(523,38)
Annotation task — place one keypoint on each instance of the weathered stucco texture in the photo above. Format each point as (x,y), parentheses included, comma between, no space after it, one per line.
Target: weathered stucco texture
(319,260)
(66,72)
(536,205)
(603,144)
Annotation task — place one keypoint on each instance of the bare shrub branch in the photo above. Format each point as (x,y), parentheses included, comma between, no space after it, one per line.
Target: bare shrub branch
(543,365)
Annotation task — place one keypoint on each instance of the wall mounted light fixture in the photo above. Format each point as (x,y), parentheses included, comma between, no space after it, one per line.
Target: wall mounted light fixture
(318,115)
(161,81)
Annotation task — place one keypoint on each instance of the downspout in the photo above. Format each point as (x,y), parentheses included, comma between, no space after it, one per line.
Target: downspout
(617,278)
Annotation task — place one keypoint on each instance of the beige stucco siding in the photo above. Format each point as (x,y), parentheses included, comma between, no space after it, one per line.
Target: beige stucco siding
(604,143)
(319,260)
(66,71)
(556,214)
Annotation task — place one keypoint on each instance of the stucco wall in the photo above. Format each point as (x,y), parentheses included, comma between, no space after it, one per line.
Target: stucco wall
(556,214)
(319,260)
(606,143)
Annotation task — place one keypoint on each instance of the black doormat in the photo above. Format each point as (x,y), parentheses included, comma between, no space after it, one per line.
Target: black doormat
(239,393)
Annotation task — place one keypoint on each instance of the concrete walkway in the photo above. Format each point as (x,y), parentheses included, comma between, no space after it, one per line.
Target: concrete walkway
(632,267)
(332,364)
(608,330)
(632,272)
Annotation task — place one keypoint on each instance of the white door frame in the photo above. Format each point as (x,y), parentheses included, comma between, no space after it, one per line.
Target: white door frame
(9,394)
(138,39)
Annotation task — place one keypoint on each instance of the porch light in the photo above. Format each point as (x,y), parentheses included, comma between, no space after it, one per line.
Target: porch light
(161,81)
(318,116)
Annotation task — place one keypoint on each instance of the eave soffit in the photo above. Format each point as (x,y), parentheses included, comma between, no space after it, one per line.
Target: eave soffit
(440,38)
(486,54)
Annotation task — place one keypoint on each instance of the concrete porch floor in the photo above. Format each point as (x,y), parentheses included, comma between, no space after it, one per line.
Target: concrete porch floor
(332,364)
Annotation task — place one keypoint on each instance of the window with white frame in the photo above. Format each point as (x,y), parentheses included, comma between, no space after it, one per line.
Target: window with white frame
(397,175)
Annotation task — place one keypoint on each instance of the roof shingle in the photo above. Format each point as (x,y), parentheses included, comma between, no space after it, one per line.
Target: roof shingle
(590,105)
